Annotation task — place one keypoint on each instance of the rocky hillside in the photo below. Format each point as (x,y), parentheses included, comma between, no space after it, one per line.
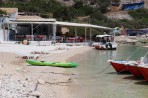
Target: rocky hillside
(83,11)
(114,14)
(66,2)
(92,3)
(118,15)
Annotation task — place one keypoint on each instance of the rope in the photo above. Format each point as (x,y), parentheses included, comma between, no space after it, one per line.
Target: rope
(133,76)
(136,66)
(126,60)
(122,70)
(96,73)
(145,55)
(133,53)
(130,80)
(103,70)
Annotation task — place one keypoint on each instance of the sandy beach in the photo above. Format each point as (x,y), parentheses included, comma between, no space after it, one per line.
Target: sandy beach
(19,80)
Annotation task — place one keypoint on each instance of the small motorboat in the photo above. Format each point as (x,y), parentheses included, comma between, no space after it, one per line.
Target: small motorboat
(143,67)
(56,64)
(105,42)
(119,65)
(144,71)
(133,68)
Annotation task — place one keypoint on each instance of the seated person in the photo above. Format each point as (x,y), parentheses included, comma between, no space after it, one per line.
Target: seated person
(103,41)
(108,40)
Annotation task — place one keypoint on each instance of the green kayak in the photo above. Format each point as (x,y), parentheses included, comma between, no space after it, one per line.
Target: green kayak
(56,64)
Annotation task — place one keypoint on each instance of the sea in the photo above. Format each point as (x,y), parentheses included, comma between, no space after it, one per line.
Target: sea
(96,78)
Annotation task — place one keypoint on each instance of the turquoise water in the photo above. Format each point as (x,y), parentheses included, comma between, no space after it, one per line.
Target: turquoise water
(91,80)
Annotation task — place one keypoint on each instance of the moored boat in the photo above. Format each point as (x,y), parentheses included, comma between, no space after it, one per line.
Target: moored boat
(119,65)
(133,68)
(56,64)
(144,71)
(143,67)
(105,42)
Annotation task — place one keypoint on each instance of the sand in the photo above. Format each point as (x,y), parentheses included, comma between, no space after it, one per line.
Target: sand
(18,80)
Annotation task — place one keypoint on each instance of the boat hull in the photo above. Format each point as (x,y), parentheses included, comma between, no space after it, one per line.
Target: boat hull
(144,72)
(56,64)
(102,48)
(119,66)
(135,71)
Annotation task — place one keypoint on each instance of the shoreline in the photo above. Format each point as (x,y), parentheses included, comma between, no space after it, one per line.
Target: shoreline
(36,80)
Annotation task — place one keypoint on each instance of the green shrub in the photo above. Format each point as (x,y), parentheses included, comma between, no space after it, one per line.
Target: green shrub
(3,12)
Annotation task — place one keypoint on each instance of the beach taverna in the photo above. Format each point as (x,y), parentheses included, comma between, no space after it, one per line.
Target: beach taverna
(17,27)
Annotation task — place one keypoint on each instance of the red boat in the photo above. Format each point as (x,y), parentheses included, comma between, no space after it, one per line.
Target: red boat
(144,71)
(105,42)
(119,66)
(143,67)
(135,70)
